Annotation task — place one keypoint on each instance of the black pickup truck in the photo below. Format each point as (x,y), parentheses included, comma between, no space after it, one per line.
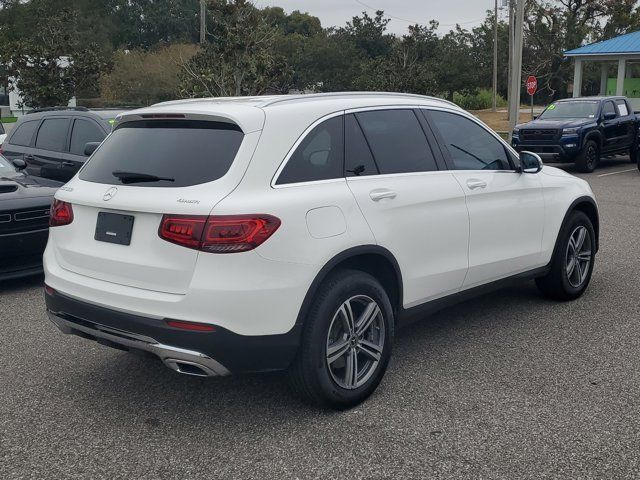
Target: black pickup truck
(581,130)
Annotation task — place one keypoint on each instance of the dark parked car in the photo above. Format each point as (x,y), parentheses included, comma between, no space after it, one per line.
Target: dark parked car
(24,219)
(581,130)
(52,141)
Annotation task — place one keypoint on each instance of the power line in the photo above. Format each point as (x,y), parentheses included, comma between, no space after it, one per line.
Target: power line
(413,22)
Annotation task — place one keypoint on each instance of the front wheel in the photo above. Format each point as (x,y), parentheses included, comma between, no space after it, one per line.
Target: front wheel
(573,260)
(346,342)
(588,158)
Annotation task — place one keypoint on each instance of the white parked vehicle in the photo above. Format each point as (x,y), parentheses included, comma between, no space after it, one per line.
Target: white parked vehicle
(297,232)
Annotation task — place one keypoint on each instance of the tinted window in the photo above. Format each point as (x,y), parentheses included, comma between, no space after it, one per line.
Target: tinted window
(320,156)
(53,134)
(24,133)
(622,108)
(608,108)
(397,141)
(470,146)
(358,158)
(188,152)
(84,132)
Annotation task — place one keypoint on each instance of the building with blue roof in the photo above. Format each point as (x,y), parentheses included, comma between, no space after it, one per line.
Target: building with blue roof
(624,51)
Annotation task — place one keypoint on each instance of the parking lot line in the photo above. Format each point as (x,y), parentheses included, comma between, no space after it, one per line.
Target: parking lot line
(615,173)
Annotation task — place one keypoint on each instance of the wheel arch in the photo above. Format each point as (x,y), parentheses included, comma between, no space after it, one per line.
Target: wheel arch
(372,259)
(594,135)
(586,205)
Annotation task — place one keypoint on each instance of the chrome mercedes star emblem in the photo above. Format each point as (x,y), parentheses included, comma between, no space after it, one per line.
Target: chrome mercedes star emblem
(109,194)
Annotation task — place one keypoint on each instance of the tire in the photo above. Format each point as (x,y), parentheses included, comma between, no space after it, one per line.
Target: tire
(589,157)
(324,380)
(633,154)
(563,282)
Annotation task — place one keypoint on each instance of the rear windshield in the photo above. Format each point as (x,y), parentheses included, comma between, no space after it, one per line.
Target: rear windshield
(165,153)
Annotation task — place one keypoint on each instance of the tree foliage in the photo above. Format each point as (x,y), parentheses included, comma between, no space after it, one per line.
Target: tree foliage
(252,50)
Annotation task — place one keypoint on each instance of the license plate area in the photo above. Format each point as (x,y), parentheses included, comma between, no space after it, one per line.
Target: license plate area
(114,228)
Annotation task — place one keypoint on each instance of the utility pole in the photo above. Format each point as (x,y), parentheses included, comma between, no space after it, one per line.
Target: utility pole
(203,21)
(516,74)
(494,106)
(511,4)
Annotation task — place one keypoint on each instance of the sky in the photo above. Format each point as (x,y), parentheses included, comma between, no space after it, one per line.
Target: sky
(468,13)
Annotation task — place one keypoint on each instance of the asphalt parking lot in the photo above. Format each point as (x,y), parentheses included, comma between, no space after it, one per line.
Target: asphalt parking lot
(505,386)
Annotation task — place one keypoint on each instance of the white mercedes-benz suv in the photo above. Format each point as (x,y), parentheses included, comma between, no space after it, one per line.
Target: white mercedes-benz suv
(233,235)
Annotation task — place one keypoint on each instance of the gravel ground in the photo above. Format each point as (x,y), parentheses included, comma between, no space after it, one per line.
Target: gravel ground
(505,386)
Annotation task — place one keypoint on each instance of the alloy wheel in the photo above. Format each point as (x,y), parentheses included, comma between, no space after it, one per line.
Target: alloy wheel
(355,342)
(578,257)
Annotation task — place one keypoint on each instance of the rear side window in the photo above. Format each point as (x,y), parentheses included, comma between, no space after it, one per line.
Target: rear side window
(397,141)
(470,146)
(84,132)
(622,108)
(178,153)
(52,134)
(24,133)
(359,161)
(320,156)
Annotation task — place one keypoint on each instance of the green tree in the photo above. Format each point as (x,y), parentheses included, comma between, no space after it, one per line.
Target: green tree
(239,58)
(456,66)
(53,60)
(369,35)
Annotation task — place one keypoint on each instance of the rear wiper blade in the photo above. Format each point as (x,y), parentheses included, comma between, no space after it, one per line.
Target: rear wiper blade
(135,177)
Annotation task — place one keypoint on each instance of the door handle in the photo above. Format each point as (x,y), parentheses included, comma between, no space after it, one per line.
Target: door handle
(381,193)
(29,157)
(68,163)
(474,183)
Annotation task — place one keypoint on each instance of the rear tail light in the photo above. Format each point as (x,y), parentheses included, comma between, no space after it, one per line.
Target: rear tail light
(61,213)
(218,233)
(48,290)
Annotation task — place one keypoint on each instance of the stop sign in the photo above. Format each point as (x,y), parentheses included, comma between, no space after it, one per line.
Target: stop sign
(532,85)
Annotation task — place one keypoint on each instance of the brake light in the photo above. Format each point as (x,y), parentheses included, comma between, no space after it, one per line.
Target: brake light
(218,233)
(193,326)
(60,213)
(48,290)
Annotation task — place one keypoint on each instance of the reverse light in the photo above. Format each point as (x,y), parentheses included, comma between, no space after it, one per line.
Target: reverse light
(192,326)
(218,233)
(60,213)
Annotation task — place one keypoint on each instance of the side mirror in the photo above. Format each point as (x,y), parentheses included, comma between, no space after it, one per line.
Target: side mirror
(19,163)
(530,162)
(609,116)
(91,147)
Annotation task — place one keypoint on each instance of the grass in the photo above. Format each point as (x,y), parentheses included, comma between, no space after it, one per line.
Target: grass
(498,120)
(8,119)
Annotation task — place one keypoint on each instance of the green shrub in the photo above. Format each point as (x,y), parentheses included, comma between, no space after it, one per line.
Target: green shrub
(480,100)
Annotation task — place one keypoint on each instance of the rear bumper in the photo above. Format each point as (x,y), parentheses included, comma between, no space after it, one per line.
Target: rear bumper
(216,353)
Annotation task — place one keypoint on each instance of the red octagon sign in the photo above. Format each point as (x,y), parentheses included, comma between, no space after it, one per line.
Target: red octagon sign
(532,85)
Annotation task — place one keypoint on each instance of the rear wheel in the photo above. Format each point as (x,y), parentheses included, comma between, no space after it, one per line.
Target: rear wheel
(633,154)
(346,343)
(573,260)
(589,157)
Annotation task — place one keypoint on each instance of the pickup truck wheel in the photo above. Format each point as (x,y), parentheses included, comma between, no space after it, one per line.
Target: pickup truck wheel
(346,342)
(589,157)
(573,260)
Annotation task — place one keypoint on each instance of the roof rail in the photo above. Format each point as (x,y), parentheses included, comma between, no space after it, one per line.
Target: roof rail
(288,98)
(55,109)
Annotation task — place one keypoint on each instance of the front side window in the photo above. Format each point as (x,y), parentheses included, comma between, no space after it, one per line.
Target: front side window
(470,146)
(320,156)
(24,133)
(53,134)
(608,109)
(84,132)
(397,141)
